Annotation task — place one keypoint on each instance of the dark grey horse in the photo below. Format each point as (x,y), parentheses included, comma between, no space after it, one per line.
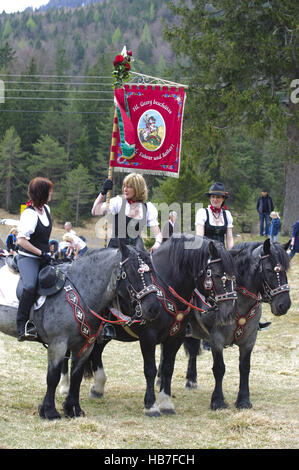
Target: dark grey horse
(261,276)
(71,319)
(178,266)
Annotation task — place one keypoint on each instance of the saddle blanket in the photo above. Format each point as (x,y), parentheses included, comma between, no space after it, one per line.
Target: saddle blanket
(8,289)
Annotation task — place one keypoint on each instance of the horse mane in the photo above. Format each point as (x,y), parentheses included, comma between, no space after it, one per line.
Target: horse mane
(191,252)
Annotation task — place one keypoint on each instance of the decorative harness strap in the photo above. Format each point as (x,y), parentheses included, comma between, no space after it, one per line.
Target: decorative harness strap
(72,298)
(242,320)
(171,308)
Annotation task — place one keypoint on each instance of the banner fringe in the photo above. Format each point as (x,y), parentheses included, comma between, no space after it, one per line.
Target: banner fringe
(149,172)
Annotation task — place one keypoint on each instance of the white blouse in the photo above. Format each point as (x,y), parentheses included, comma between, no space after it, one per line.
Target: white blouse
(151,213)
(201,218)
(28,222)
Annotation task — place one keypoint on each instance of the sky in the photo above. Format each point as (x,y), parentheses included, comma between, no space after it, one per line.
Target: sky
(11,6)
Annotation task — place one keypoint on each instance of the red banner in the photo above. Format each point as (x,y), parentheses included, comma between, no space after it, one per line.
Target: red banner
(149,133)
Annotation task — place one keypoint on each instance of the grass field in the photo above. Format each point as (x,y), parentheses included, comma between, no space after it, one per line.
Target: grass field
(117,421)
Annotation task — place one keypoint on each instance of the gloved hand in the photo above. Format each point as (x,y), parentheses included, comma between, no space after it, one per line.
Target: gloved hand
(107,186)
(46,257)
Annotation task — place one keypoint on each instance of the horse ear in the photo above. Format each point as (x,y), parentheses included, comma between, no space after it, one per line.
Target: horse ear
(123,248)
(235,252)
(266,247)
(213,250)
(287,245)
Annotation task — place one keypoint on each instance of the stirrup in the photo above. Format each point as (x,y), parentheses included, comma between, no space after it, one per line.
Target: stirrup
(30,330)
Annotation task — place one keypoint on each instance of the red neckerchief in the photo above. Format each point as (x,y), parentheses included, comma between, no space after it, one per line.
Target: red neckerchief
(29,203)
(216,210)
(130,201)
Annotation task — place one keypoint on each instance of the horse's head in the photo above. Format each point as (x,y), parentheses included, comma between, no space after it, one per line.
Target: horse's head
(272,267)
(217,283)
(135,290)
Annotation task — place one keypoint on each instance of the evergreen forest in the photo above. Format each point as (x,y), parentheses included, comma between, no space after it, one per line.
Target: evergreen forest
(239,60)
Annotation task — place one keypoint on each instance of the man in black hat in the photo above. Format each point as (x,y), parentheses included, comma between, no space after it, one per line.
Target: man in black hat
(264,207)
(216,222)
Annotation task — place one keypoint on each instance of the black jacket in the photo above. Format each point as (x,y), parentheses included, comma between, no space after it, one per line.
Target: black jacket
(264,204)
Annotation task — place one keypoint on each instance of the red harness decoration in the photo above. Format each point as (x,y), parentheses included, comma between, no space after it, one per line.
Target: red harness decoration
(179,315)
(243,320)
(80,316)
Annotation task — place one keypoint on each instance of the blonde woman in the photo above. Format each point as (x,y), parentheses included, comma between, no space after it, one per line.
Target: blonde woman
(131,212)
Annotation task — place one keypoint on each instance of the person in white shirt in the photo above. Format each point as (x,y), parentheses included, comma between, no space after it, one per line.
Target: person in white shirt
(131,212)
(216,222)
(33,240)
(76,246)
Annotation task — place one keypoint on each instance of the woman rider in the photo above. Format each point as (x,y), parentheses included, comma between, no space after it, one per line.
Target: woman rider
(131,213)
(33,241)
(216,221)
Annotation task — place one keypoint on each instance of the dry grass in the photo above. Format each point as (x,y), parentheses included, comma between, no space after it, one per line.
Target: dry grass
(117,420)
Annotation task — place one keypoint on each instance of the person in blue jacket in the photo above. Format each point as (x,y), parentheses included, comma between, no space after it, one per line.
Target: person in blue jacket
(275,226)
(294,247)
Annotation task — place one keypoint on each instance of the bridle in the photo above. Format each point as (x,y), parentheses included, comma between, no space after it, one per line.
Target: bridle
(208,284)
(269,293)
(136,297)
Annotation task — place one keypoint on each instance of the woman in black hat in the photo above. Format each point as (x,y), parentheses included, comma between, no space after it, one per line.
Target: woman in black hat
(216,221)
(33,240)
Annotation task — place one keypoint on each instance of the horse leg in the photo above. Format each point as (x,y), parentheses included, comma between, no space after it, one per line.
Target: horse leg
(97,389)
(71,405)
(192,348)
(217,400)
(170,349)
(64,383)
(56,353)
(243,400)
(148,349)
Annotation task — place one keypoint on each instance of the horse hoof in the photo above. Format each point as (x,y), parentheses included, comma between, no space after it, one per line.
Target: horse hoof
(48,415)
(93,394)
(152,412)
(191,385)
(243,405)
(167,411)
(218,406)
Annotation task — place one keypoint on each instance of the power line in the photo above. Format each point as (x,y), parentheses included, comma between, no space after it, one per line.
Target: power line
(58,99)
(59,83)
(48,111)
(55,76)
(58,91)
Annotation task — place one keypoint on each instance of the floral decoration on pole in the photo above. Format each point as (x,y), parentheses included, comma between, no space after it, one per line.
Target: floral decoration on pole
(122,67)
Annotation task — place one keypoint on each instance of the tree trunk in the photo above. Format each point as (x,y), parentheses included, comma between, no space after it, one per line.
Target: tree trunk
(291,208)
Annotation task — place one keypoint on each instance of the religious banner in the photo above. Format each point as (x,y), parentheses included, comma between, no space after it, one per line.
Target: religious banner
(149,135)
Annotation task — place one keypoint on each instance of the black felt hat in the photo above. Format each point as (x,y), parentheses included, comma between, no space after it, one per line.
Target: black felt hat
(218,189)
(50,280)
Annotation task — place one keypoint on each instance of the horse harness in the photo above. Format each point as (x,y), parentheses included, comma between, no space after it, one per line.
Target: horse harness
(267,297)
(268,292)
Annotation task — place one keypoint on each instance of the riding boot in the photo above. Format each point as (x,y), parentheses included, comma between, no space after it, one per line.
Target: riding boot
(107,331)
(26,329)
(264,325)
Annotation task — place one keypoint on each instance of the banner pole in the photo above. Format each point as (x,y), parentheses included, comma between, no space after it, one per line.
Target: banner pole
(110,171)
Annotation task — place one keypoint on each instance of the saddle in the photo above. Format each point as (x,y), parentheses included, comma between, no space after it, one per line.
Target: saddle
(51,279)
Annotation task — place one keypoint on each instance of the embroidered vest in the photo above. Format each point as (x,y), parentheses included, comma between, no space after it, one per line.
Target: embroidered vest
(133,228)
(216,232)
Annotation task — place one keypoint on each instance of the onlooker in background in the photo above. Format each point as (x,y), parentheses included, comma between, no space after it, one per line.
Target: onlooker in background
(69,231)
(264,207)
(11,241)
(294,247)
(275,226)
(77,246)
(168,227)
